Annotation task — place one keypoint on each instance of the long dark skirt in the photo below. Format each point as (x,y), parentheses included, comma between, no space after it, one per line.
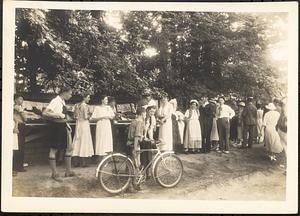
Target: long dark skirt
(176,135)
(233,128)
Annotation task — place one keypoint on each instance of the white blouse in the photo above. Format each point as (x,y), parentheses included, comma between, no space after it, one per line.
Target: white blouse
(102,111)
(271,118)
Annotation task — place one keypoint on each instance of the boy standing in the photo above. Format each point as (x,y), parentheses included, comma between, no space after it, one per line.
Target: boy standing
(61,131)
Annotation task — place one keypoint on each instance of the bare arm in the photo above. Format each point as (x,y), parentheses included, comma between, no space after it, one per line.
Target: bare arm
(49,113)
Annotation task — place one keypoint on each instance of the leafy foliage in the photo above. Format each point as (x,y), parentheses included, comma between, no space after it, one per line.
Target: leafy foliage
(197,53)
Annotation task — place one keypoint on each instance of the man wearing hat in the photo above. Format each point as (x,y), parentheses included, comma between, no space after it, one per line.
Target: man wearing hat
(207,113)
(249,116)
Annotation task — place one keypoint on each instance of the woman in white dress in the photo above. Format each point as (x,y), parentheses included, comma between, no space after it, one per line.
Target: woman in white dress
(192,140)
(272,139)
(180,121)
(259,121)
(104,140)
(282,125)
(164,115)
(82,141)
(214,134)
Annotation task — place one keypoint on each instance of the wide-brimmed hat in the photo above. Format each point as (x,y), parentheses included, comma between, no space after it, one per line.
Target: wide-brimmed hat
(271,106)
(194,101)
(242,104)
(211,100)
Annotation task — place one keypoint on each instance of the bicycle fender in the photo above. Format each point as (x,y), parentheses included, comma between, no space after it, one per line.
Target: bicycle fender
(106,157)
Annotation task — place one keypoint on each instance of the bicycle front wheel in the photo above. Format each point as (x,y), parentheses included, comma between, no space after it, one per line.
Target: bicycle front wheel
(115,174)
(168,170)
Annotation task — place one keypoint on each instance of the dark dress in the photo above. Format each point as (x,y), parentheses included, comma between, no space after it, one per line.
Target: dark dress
(234,124)
(176,136)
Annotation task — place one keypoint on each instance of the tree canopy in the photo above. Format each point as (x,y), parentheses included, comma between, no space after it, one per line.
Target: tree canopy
(194,53)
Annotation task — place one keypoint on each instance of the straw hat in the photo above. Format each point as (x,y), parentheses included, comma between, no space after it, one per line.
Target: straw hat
(194,101)
(241,104)
(271,106)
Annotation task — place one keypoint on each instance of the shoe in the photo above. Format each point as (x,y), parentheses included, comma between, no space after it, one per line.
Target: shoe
(219,151)
(70,174)
(226,152)
(56,177)
(185,152)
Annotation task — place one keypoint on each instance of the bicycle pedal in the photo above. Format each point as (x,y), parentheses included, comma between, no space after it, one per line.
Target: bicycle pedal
(141,178)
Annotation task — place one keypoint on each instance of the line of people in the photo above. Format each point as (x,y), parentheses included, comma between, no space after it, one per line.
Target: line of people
(207,124)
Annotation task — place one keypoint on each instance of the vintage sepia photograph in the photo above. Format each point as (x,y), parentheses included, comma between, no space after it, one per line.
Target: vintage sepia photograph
(150,103)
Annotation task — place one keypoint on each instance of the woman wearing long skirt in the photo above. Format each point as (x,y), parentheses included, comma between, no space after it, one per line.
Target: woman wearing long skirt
(260,131)
(104,140)
(272,139)
(181,124)
(192,140)
(240,124)
(165,133)
(82,141)
(175,127)
(282,126)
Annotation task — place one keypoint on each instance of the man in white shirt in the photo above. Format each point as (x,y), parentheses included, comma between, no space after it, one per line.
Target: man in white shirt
(60,131)
(224,114)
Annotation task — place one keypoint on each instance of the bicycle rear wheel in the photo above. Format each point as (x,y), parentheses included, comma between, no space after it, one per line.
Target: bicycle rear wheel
(168,170)
(115,174)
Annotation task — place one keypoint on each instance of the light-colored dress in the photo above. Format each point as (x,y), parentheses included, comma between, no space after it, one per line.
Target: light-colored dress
(180,121)
(260,131)
(16,142)
(214,135)
(104,139)
(272,139)
(165,133)
(192,137)
(82,141)
(15,133)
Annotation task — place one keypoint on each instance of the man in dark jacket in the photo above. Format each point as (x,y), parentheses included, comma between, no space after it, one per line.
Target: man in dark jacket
(249,117)
(207,112)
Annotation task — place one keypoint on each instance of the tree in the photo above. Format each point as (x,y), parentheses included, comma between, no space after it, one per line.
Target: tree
(197,53)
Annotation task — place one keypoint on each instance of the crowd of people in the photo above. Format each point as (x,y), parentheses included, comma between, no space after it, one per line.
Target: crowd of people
(208,124)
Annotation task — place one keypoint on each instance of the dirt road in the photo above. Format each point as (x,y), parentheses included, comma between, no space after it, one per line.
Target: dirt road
(240,175)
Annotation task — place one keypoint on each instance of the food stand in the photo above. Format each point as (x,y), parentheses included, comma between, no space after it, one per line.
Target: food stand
(38,138)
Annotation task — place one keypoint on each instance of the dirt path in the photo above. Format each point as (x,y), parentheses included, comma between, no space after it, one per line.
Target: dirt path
(240,175)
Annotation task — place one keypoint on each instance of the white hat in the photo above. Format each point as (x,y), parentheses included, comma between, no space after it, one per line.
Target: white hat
(194,101)
(242,104)
(271,106)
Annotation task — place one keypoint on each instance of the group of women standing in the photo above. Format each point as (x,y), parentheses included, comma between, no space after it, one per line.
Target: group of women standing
(179,130)
(82,141)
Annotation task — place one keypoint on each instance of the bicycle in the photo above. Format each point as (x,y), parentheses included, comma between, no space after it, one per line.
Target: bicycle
(117,171)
